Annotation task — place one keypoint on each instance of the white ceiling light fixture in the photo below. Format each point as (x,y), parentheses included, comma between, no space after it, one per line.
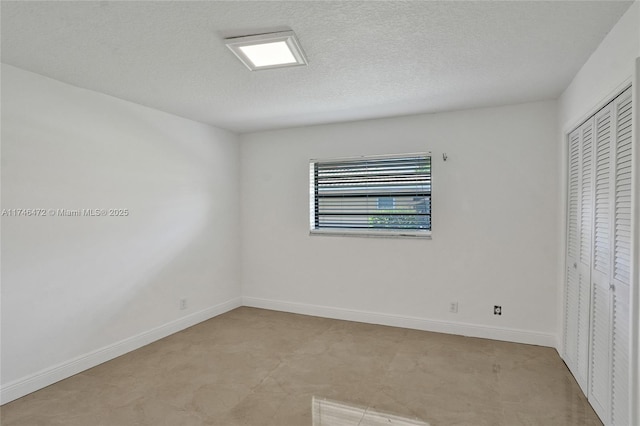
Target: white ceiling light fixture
(267,51)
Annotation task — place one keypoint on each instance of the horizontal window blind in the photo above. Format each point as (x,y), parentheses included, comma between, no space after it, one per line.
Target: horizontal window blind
(372,194)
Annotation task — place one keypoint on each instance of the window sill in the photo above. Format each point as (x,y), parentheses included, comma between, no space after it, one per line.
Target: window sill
(423,235)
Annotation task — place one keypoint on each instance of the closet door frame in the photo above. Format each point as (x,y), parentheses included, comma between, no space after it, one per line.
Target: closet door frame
(566,147)
(634,284)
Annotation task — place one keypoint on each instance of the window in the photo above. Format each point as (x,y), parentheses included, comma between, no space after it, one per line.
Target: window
(372,196)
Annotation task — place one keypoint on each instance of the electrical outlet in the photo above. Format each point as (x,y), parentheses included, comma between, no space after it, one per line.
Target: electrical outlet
(497,310)
(453,307)
(183,304)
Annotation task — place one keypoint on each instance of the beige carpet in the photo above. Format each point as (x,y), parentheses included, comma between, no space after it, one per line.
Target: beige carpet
(258,367)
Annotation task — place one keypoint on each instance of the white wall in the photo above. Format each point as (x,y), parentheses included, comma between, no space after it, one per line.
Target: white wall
(73,287)
(495,204)
(604,73)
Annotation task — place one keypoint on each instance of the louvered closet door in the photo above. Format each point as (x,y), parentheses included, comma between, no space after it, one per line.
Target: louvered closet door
(584,261)
(620,376)
(620,387)
(600,371)
(573,251)
(599,259)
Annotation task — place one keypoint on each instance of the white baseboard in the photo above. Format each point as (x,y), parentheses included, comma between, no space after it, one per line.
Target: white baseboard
(462,329)
(32,383)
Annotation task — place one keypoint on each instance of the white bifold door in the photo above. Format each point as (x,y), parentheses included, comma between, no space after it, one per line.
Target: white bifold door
(578,288)
(597,292)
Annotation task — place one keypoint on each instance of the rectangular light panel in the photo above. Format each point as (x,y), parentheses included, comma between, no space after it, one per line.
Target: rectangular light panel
(266,51)
(269,54)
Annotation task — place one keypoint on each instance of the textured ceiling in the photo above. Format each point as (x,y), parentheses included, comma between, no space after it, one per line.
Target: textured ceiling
(366,59)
